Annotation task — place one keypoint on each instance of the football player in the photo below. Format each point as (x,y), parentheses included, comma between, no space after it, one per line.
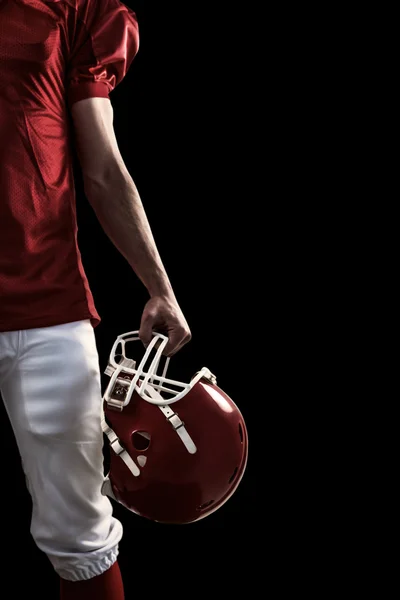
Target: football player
(61,59)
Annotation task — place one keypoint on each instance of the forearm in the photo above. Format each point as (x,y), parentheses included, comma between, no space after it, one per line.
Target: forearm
(120,212)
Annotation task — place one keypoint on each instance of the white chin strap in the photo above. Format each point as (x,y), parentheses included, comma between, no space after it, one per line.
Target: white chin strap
(175,421)
(125,379)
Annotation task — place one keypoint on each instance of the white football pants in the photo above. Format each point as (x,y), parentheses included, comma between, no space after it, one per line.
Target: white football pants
(51,388)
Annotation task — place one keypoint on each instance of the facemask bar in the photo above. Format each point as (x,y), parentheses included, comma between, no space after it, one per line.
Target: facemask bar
(144,382)
(143,379)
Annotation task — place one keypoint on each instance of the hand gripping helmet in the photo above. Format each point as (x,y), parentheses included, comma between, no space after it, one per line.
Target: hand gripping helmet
(178,450)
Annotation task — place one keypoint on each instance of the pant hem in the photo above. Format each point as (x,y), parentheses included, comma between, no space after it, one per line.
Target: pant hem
(89,569)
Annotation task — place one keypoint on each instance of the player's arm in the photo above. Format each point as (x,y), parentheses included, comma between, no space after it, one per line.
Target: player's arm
(112,192)
(115,200)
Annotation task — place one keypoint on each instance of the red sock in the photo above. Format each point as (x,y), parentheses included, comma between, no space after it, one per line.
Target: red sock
(107,586)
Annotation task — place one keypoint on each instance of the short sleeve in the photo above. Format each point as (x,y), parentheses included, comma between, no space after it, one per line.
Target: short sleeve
(105,40)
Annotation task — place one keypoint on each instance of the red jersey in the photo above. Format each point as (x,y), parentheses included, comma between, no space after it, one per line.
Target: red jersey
(52,54)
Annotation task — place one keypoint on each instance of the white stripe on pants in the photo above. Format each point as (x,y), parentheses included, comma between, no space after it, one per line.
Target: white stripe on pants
(51,387)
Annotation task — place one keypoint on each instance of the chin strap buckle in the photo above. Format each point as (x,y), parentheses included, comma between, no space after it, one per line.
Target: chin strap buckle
(119,449)
(175,421)
(119,385)
(179,426)
(114,443)
(210,377)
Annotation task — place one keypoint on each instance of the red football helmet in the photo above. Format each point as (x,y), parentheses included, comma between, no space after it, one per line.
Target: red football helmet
(179,450)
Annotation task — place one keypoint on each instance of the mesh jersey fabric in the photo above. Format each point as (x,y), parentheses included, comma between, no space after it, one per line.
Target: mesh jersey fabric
(53,53)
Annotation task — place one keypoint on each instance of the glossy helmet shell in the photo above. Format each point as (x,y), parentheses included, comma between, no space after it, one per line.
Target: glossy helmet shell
(175,486)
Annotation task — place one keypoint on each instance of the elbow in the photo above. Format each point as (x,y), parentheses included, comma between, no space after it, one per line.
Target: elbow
(106,179)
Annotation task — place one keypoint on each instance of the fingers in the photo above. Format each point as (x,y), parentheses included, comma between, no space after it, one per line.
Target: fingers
(177,339)
(164,316)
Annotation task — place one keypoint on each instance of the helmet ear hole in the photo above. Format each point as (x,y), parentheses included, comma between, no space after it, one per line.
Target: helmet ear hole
(141,440)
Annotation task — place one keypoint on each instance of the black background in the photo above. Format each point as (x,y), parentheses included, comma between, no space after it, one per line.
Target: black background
(183,122)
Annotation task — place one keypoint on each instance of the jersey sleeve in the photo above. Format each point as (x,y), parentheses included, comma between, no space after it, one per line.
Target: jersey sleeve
(105,40)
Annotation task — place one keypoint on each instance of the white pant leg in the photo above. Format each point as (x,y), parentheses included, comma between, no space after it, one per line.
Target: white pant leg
(51,387)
